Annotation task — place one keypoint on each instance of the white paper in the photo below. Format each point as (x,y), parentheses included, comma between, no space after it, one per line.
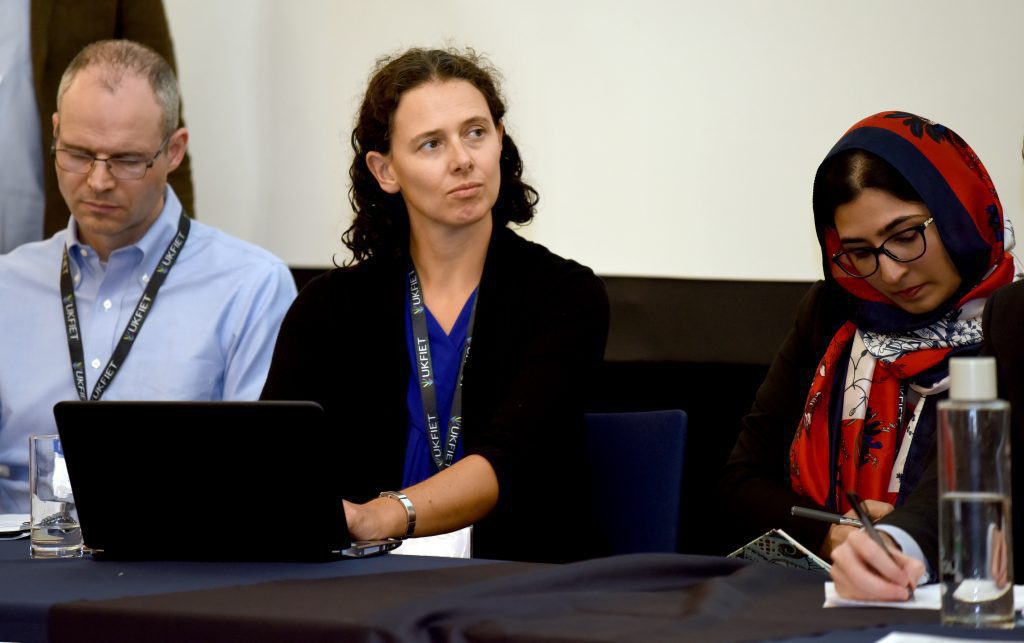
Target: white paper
(12,523)
(900,637)
(451,545)
(926,597)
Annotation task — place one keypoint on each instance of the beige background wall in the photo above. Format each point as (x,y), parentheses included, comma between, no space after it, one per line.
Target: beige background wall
(667,138)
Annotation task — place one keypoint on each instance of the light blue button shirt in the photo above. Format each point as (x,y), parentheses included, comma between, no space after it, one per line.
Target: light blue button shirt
(209,335)
(21,177)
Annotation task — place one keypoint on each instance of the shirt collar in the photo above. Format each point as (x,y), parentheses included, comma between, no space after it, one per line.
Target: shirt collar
(156,238)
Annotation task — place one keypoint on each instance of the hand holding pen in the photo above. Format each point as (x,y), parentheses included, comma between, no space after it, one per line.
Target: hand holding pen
(859,570)
(866,567)
(858,506)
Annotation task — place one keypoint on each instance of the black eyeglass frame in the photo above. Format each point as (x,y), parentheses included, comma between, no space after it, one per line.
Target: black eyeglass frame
(106,161)
(881,249)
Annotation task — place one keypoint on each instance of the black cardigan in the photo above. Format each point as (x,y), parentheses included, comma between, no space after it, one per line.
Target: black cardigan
(539,336)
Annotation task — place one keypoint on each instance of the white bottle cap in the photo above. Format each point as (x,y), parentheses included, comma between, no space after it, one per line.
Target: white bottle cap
(972,379)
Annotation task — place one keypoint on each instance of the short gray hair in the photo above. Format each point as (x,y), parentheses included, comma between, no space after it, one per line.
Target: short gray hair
(118,58)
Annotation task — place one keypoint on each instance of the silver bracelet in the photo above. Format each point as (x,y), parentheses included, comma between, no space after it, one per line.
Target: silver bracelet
(410,511)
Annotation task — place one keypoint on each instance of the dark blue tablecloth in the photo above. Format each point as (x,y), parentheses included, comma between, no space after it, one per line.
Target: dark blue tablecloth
(644,597)
(29,588)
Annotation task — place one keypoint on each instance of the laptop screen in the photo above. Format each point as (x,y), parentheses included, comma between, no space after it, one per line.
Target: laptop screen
(204,480)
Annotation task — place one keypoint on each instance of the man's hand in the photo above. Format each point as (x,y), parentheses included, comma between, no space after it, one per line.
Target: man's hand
(862,571)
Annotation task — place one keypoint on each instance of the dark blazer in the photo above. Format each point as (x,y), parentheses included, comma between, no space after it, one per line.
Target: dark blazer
(541,326)
(755,487)
(756,481)
(59,30)
(1002,323)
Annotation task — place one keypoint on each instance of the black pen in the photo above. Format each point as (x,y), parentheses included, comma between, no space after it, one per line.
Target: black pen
(858,506)
(824,516)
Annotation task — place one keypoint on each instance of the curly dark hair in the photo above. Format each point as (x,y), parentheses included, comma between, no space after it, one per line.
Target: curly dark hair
(381,224)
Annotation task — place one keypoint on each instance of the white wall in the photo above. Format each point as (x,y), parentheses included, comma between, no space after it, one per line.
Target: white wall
(666,138)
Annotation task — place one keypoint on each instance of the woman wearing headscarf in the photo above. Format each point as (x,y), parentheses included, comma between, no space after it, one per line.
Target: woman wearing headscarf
(913,243)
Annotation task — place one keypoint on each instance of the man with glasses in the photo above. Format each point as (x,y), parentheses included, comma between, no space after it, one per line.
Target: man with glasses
(39,38)
(133,300)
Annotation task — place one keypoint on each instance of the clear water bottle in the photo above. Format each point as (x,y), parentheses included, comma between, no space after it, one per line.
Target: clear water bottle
(975,541)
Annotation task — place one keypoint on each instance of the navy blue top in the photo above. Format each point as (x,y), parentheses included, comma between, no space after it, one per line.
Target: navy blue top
(446,355)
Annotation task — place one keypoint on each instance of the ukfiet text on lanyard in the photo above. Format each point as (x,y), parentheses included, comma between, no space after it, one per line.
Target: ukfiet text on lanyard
(131,331)
(442,456)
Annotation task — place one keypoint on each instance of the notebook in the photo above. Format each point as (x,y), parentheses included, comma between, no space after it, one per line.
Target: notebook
(778,547)
(206,481)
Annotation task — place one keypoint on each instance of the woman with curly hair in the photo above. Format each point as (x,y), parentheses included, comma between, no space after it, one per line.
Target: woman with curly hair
(913,243)
(451,356)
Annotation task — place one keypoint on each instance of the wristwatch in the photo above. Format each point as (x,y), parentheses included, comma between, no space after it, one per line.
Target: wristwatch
(410,511)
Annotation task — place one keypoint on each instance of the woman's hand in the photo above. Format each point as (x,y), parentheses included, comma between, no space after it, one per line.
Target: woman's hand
(452,499)
(375,520)
(862,571)
(839,533)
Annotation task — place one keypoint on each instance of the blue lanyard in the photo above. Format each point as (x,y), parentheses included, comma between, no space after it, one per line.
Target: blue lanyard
(443,456)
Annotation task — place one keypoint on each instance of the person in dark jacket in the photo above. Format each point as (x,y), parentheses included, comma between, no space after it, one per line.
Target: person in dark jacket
(434,436)
(912,240)
(59,30)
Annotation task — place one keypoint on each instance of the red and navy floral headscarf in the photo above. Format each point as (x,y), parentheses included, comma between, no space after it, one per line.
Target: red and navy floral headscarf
(858,428)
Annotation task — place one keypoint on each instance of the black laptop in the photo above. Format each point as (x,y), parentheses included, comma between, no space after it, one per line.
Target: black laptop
(206,481)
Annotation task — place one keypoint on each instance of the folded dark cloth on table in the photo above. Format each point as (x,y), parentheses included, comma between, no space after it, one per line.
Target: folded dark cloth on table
(642,597)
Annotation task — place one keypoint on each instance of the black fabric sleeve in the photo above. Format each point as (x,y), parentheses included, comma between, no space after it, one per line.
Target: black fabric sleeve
(340,346)
(755,487)
(547,384)
(296,369)
(1001,323)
